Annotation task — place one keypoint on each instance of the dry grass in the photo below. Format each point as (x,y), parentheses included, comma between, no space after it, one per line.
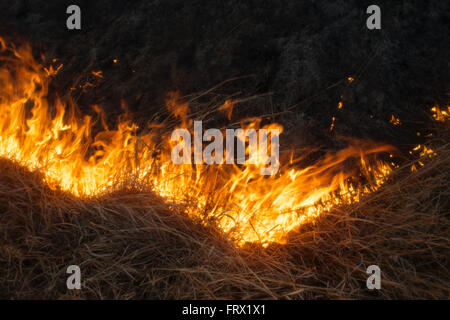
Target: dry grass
(130,244)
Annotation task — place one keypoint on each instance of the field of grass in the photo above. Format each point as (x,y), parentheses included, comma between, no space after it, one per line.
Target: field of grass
(131,244)
(286,62)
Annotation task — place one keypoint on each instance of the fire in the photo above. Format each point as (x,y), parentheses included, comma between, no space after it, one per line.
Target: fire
(333,119)
(441,114)
(395,121)
(227,108)
(49,135)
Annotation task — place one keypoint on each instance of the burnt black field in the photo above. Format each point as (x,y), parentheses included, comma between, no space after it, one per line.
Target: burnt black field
(294,55)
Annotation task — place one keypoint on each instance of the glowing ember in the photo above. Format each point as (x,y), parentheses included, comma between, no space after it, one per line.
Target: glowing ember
(395,121)
(333,119)
(441,114)
(246,205)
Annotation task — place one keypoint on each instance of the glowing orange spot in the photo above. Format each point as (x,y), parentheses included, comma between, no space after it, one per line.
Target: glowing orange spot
(441,114)
(227,108)
(51,71)
(332,123)
(98,74)
(395,121)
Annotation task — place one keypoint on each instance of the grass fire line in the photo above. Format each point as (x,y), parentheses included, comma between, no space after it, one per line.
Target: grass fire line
(114,201)
(250,207)
(243,203)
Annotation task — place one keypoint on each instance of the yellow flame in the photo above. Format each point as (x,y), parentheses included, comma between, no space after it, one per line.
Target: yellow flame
(423,151)
(395,121)
(227,108)
(333,119)
(441,114)
(52,137)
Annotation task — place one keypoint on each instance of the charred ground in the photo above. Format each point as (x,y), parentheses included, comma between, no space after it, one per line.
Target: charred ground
(294,55)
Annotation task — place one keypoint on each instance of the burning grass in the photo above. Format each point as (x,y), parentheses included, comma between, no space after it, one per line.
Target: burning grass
(141,227)
(130,244)
(50,135)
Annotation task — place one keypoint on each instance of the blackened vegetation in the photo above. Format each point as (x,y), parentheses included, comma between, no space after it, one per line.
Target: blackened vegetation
(295,55)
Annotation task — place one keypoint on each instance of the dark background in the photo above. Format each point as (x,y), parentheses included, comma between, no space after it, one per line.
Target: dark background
(294,55)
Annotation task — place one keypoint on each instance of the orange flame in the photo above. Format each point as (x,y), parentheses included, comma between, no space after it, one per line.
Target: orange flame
(441,114)
(395,121)
(48,136)
(227,108)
